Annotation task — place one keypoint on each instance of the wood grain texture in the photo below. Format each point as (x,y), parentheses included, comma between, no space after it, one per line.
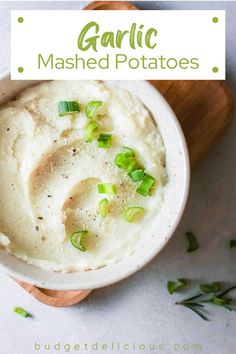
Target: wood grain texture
(110,5)
(55,298)
(204,109)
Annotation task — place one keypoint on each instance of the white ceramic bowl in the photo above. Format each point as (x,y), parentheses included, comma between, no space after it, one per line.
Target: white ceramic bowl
(176,191)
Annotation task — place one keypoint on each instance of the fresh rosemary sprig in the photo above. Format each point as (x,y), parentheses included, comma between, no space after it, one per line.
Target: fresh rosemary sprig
(197,301)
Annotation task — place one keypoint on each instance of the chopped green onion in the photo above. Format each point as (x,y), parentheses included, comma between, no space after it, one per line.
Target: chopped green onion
(216,300)
(103,207)
(193,244)
(128,152)
(232,243)
(77,240)
(137,175)
(68,107)
(107,188)
(22,312)
(90,130)
(173,286)
(128,163)
(145,187)
(126,159)
(210,288)
(91,108)
(131,213)
(104,141)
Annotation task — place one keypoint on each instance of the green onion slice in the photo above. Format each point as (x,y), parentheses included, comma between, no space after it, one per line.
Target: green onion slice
(216,300)
(22,312)
(90,130)
(146,185)
(137,175)
(104,141)
(77,239)
(193,244)
(103,207)
(128,151)
(68,107)
(232,243)
(173,286)
(131,213)
(127,160)
(210,288)
(127,163)
(91,108)
(107,188)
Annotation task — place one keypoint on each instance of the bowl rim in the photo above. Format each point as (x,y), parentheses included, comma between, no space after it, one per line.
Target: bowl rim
(28,278)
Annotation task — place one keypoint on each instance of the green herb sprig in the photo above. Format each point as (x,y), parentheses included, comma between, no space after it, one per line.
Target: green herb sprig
(209,293)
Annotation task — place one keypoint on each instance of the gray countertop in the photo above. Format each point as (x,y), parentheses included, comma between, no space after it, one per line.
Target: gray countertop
(139,310)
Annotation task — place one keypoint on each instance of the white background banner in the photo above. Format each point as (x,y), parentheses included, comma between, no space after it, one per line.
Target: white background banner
(156,45)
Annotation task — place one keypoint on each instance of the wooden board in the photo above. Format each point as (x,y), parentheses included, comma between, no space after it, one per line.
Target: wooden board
(54,298)
(204,109)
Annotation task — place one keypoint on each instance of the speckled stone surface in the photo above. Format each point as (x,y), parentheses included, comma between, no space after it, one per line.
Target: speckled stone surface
(139,310)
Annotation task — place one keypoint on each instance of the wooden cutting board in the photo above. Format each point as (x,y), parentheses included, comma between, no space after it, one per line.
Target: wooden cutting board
(204,109)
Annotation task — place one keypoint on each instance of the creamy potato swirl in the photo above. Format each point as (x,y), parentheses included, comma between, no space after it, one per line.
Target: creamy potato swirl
(49,175)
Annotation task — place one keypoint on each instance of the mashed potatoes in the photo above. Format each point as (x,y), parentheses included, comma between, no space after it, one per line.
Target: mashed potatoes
(49,174)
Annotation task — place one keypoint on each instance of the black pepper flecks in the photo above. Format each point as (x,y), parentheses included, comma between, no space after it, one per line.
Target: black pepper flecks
(49,196)
(40,217)
(36,228)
